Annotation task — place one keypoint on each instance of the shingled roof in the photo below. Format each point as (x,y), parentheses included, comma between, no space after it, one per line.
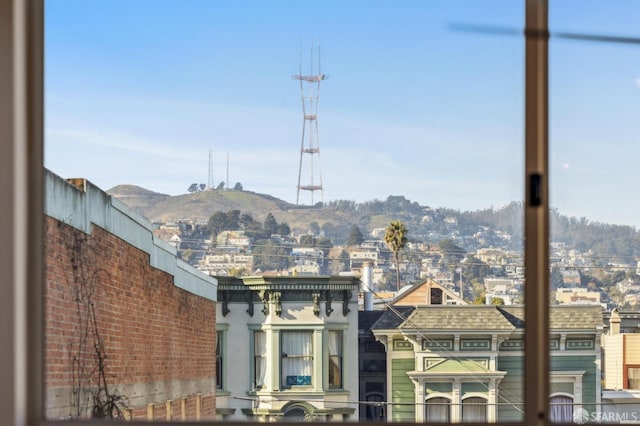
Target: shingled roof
(393,317)
(573,317)
(488,317)
(470,317)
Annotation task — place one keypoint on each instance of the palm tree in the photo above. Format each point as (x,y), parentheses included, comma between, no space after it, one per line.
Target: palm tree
(395,236)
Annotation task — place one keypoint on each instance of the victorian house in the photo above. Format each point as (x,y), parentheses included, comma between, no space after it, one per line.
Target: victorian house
(465,363)
(287,348)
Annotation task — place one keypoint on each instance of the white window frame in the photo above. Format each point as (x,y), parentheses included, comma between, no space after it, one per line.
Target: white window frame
(220,359)
(21,151)
(254,358)
(222,330)
(340,356)
(311,358)
(433,397)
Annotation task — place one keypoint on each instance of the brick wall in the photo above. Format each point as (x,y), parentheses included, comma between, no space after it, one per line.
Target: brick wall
(157,341)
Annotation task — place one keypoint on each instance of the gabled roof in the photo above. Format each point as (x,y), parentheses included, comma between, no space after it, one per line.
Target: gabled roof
(392,318)
(487,318)
(366,319)
(420,294)
(567,317)
(490,318)
(447,317)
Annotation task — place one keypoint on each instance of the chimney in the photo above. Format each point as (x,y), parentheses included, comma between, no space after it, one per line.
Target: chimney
(366,286)
(614,323)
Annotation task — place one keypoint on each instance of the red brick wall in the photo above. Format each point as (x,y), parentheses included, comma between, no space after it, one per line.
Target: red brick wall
(159,340)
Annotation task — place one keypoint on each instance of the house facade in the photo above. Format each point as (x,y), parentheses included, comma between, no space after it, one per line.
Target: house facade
(621,344)
(465,363)
(302,357)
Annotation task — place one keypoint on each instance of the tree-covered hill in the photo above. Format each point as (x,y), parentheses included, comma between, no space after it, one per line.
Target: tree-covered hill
(335,219)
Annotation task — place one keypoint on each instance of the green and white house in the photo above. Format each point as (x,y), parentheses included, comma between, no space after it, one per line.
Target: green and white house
(287,348)
(465,363)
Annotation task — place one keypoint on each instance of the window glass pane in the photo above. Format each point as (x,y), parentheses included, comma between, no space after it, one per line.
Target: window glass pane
(187,115)
(297,358)
(260,362)
(595,242)
(219,360)
(335,359)
(474,409)
(438,410)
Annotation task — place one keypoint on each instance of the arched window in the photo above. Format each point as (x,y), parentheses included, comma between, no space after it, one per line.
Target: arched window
(297,414)
(561,409)
(474,409)
(438,410)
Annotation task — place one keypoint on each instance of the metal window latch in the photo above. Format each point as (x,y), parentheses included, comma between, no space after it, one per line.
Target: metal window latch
(535,190)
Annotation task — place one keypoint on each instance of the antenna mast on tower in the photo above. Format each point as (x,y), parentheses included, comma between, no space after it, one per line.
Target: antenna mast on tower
(310,146)
(210,181)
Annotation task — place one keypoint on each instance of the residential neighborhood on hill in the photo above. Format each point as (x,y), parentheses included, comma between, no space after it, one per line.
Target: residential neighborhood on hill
(476,254)
(235,319)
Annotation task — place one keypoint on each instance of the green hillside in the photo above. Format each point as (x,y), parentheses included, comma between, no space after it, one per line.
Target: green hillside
(201,205)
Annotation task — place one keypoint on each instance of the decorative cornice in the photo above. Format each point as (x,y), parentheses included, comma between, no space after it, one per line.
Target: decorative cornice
(231,290)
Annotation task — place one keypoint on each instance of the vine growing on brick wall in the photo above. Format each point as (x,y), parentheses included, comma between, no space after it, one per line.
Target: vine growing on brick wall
(90,391)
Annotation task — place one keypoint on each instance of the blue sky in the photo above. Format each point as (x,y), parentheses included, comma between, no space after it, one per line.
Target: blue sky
(139,92)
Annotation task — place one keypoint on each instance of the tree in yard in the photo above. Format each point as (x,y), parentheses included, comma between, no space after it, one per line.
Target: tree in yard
(314,228)
(217,223)
(283,229)
(395,236)
(233,220)
(270,225)
(307,240)
(245,220)
(237,187)
(355,237)
(340,263)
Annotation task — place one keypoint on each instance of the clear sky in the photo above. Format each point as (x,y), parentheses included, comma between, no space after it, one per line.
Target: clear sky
(139,91)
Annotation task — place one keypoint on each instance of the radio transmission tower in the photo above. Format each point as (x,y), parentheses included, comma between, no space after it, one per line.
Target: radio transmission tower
(210,180)
(310,145)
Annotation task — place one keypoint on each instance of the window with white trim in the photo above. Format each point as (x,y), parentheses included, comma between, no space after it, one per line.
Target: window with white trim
(219,360)
(438,410)
(259,359)
(561,409)
(296,354)
(474,410)
(334,344)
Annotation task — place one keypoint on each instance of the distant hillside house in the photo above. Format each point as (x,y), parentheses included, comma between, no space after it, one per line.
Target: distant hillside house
(226,264)
(233,238)
(428,292)
(573,296)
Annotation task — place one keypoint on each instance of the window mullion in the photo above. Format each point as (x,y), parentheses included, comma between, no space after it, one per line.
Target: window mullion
(536,242)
